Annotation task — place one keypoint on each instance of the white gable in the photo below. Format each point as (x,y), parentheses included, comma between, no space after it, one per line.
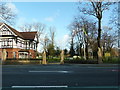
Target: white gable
(36,39)
(4,30)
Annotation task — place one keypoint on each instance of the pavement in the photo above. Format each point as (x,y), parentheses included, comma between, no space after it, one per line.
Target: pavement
(67,76)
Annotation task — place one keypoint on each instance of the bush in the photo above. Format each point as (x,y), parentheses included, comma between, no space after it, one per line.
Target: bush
(81,61)
(21,62)
(111,60)
(53,60)
(8,59)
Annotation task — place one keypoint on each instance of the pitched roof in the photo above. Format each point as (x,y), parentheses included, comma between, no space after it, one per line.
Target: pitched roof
(15,31)
(28,35)
(24,35)
(1,23)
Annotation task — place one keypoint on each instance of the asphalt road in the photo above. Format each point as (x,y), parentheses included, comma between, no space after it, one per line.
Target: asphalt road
(60,76)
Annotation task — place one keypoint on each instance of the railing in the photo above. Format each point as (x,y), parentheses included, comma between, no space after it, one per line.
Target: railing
(6,46)
(17,47)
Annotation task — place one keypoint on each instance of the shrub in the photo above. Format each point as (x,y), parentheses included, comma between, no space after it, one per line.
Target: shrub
(21,62)
(111,60)
(8,59)
(53,60)
(81,61)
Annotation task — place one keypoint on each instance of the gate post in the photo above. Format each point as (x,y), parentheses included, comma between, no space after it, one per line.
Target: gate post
(62,57)
(4,54)
(44,58)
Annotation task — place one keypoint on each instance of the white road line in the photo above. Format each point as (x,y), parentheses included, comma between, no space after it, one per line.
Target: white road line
(115,70)
(39,86)
(50,71)
(102,67)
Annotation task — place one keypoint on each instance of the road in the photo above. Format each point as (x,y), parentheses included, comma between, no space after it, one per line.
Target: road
(61,76)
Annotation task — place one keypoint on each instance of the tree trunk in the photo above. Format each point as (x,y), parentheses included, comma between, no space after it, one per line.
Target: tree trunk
(103,50)
(99,32)
(86,50)
(80,50)
(99,38)
(72,52)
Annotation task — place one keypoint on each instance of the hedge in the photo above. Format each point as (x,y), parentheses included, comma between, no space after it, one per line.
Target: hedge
(81,61)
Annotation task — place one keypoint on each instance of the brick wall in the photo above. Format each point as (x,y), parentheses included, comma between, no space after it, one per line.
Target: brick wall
(10,52)
(32,53)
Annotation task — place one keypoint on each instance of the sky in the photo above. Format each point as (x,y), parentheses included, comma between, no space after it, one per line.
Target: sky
(56,14)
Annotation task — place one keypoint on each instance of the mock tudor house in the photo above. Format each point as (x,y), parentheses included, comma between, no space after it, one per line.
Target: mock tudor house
(17,44)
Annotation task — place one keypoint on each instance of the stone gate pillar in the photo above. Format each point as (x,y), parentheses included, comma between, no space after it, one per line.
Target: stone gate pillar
(4,54)
(44,58)
(62,57)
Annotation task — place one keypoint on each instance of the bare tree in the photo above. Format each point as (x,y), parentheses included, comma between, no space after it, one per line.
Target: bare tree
(96,9)
(84,36)
(72,51)
(45,42)
(51,46)
(29,27)
(7,15)
(114,19)
(52,34)
(39,27)
(108,40)
(115,22)
(26,27)
(75,32)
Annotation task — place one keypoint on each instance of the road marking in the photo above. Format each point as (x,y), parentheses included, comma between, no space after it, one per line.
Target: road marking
(39,86)
(102,87)
(97,87)
(103,67)
(115,70)
(64,87)
(50,71)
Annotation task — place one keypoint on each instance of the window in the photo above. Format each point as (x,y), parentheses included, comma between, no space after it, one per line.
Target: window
(7,54)
(31,45)
(6,42)
(14,54)
(34,46)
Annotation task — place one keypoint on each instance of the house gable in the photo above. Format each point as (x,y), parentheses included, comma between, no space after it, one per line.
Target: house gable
(5,30)
(36,38)
(11,38)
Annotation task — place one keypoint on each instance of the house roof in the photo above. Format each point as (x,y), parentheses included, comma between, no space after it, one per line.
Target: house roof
(24,35)
(28,35)
(15,31)
(1,23)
